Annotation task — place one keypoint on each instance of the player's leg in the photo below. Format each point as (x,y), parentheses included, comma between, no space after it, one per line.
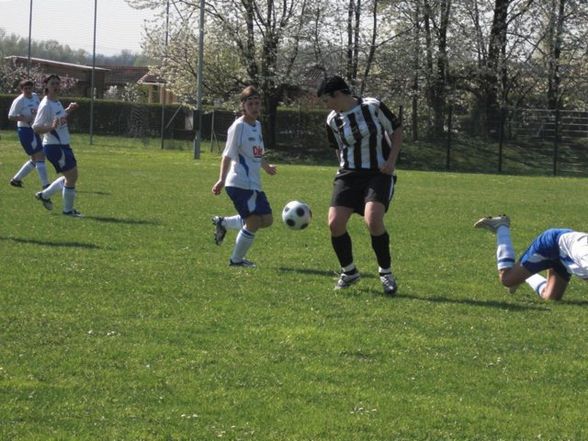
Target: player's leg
(69,192)
(341,241)
(41,167)
(500,225)
(27,141)
(555,287)
(251,206)
(22,172)
(374,218)
(378,197)
(244,241)
(512,277)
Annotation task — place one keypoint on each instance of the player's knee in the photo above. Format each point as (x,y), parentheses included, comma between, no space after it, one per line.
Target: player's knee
(506,279)
(337,227)
(267,221)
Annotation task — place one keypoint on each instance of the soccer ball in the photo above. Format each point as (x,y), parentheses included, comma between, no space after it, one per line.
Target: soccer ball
(296,215)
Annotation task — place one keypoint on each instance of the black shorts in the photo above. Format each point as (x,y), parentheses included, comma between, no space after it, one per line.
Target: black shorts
(352,189)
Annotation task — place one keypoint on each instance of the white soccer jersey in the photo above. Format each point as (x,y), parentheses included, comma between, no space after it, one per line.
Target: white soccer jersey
(23,106)
(46,114)
(360,134)
(573,250)
(245,148)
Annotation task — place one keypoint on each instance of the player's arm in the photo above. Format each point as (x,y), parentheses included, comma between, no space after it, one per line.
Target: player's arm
(14,114)
(231,151)
(44,121)
(393,129)
(270,169)
(395,142)
(225,165)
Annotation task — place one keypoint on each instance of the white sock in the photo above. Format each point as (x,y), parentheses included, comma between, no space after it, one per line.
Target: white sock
(26,168)
(242,244)
(349,268)
(505,254)
(383,271)
(537,282)
(233,222)
(42,172)
(54,187)
(69,195)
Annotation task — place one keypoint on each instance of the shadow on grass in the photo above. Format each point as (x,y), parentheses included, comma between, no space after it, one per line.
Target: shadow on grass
(484,303)
(315,272)
(99,193)
(51,243)
(583,303)
(116,220)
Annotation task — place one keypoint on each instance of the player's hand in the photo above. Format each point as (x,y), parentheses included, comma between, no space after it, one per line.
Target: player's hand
(271,169)
(72,107)
(218,187)
(387,168)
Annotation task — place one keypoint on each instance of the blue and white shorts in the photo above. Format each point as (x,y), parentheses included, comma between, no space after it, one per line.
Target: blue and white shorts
(248,202)
(30,141)
(543,253)
(61,156)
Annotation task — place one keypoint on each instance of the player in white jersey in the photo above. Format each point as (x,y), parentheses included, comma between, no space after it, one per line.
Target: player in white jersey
(367,138)
(240,167)
(561,251)
(51,122)
(23,110)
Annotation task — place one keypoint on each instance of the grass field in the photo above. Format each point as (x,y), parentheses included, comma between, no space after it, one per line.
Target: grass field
(128,324)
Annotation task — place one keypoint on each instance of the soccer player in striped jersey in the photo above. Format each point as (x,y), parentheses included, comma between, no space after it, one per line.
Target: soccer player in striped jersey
(561,251)
(240,167)
(51,122)
(23,110)
(367,138)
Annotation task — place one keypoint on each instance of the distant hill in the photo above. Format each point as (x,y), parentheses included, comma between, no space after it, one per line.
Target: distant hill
(12,44)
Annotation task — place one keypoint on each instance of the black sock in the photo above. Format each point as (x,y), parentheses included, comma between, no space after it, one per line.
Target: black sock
(343,249)
(381,246)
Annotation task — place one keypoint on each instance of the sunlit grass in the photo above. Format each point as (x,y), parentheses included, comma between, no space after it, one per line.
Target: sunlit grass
(128,324)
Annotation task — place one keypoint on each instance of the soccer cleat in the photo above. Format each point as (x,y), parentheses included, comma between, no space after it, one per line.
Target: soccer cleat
(389,284)
(73,213)
(219,230)
(244,263)
(346,280)
(46,202)
(16,183)
(492,223)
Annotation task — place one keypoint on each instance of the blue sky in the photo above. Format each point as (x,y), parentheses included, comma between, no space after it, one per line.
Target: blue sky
(72,22)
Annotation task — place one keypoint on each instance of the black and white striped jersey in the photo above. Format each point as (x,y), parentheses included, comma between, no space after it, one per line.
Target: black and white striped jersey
(360,134)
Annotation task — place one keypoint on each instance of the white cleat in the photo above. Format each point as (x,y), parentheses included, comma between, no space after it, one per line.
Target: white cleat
(491,223)
(73,213)
(243,263)
(46,202)
(219,231)
(346,280)
(389,284)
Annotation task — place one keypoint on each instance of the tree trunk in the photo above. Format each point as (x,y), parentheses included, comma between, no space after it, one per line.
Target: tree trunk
(495,65)
(415,78)
(555,42)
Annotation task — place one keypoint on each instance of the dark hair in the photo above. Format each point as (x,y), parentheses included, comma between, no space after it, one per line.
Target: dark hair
(247,93)
(49,78)
(331,85)
(24,83)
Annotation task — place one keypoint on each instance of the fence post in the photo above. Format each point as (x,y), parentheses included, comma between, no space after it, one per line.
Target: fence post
(449,121)
(556,141)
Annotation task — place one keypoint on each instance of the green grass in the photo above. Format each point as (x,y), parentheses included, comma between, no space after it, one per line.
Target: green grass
(128,324)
